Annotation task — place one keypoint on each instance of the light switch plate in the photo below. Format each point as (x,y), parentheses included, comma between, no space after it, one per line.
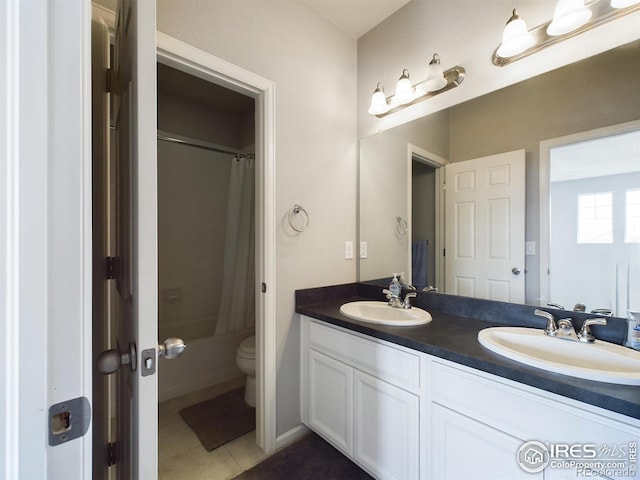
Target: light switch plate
(363,249)
(348,250)
(530,248)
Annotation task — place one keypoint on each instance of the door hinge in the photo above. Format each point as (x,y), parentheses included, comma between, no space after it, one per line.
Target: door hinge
(111,454)
(444,252)
(111,267)
(108,78)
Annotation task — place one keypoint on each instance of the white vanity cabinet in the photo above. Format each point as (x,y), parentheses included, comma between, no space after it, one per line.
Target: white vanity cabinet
(478,422)
(363,397)
(403,414)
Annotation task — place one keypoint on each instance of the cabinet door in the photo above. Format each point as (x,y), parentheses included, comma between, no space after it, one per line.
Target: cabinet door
(463,448)
(386,429)
(331,400)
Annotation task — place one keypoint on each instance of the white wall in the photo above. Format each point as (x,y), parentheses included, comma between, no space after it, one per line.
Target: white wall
(464,32)
(313,65)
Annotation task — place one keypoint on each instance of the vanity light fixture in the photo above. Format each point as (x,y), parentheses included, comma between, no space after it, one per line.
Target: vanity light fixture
(515,38)
(378,101)
(404,89)
(435,76)
(623,3)
(406,94)
(571,17)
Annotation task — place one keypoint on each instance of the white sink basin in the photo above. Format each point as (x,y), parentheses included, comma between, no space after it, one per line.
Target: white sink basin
(600,361)
(382,313)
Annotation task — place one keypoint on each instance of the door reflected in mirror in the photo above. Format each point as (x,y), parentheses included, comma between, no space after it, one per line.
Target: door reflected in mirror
(594,220)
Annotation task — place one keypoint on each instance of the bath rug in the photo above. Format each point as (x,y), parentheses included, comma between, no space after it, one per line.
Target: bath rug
(310,458)
(220,419)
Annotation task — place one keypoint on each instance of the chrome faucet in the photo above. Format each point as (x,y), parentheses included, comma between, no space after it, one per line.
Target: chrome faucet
(585,334)
(407,299)
(564,328)
(560,329)
(395,302)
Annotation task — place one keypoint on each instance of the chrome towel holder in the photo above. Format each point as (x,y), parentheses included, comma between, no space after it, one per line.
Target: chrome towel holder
(295,213)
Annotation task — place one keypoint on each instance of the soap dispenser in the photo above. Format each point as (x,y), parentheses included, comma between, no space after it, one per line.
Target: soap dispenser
(633,330)
(394,287)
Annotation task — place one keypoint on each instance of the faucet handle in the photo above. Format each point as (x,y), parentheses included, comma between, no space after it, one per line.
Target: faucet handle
(407,299)
(552,328)
(585,334)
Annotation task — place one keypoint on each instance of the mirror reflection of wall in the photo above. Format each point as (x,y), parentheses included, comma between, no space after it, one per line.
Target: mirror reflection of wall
(590,94)
(594,198)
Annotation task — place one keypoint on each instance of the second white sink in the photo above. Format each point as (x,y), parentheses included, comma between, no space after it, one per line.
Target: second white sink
(600,361)
(382,313)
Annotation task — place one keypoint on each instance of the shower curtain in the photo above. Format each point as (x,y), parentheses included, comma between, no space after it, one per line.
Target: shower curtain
(237,307)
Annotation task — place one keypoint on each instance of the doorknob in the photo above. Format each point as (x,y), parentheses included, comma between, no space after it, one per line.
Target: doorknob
(516,271)
(110,361)
(171,348)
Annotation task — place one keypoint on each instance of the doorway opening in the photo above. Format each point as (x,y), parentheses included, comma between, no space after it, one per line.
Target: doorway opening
(426,214)
(206,273)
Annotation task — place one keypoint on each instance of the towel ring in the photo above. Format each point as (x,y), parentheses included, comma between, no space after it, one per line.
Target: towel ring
(401,227)
(294,212)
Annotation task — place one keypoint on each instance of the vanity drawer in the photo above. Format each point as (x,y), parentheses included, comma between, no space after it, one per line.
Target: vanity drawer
(397,366)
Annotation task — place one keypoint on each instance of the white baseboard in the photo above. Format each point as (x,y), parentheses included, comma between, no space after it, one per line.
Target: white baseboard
(291,436)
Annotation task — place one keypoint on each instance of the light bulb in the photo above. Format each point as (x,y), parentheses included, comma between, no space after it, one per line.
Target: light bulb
(623,3)
(379,103)
(404,90)
(435,76)
(515,38)
(569,15)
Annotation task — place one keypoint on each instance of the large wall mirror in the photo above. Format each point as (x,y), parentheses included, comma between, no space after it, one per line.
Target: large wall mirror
(410,220)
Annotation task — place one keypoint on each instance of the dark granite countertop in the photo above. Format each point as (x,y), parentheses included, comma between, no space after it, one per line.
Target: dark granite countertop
(453,337)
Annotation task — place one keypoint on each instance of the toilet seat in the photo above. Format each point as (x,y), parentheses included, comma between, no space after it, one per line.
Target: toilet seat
(247,348)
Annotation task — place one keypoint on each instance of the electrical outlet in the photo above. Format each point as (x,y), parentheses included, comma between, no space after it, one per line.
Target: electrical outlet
(363,249)
(348,250)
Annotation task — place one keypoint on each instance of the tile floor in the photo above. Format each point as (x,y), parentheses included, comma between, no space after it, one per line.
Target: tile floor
(182,456)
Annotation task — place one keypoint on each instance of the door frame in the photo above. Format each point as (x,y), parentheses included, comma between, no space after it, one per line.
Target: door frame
(437,162)
(196,62)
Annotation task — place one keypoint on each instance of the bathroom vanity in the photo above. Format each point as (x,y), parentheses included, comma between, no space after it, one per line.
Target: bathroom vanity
(430,402)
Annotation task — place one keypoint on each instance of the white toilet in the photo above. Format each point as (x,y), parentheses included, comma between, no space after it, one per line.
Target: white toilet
(246,360)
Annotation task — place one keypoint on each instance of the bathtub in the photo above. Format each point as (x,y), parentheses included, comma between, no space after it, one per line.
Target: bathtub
(206,362)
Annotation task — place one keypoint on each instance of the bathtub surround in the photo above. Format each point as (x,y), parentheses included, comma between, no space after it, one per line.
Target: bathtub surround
(193,186)
(452,335)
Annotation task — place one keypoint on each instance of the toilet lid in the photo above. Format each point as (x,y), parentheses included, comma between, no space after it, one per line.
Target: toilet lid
(248,347)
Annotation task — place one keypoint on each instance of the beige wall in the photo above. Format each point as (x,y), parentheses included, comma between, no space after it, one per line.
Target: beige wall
(313,65)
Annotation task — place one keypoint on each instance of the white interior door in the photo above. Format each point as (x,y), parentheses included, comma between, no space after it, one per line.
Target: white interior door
(484,201)
(136,237)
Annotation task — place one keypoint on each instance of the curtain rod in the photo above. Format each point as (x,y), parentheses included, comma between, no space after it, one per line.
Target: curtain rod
(200,144)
